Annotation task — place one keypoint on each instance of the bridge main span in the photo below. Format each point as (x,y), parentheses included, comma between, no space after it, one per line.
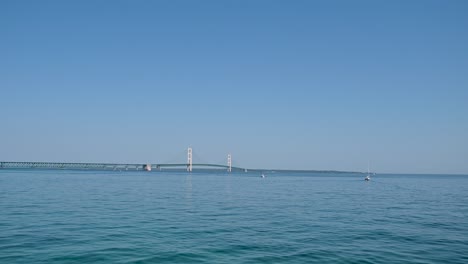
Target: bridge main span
(120,166)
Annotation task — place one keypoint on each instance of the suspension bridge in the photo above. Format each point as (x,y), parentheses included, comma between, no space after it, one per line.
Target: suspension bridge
(189,166)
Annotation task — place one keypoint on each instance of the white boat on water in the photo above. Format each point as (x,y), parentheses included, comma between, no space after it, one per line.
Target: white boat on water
(263,175)
(367,178)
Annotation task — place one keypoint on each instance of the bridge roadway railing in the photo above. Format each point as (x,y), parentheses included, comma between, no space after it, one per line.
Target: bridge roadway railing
(63,165)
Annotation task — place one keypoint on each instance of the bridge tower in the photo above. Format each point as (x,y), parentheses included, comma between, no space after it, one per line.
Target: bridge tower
(189,159)
(229,163)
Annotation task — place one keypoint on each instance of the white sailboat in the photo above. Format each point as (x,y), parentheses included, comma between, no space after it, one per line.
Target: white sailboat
(367,178)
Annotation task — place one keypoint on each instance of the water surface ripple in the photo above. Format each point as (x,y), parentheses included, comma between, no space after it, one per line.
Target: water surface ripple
(168,217)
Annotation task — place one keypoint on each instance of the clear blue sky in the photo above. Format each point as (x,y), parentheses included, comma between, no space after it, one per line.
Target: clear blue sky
(279,84)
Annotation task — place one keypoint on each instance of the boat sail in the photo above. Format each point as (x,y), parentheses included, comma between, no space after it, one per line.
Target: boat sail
(367,178)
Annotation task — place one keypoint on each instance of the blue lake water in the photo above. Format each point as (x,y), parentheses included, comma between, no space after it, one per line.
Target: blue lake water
(169,217)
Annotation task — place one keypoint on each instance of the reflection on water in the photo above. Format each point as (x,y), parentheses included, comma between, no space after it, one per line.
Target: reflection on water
(188,186)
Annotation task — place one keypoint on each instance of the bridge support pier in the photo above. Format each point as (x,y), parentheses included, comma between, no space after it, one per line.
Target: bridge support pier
(147,167)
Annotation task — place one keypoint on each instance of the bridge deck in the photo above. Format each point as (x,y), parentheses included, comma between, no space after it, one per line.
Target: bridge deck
(103,166)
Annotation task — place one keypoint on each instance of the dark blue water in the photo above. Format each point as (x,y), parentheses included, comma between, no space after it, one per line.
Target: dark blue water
(140,217)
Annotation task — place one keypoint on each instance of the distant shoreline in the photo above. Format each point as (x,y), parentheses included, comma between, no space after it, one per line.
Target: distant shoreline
(81,166)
